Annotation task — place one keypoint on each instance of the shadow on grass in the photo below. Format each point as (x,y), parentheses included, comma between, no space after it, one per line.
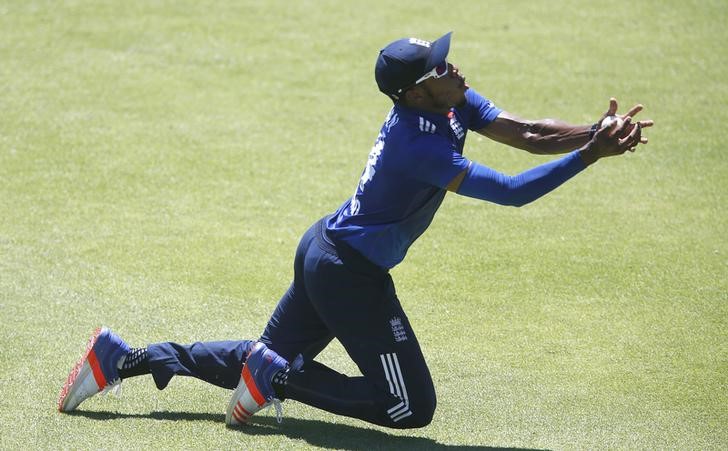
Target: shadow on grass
(314,432)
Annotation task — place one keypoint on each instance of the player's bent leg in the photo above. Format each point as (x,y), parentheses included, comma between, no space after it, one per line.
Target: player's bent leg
(414,394)
(294,327)
(396,389)
(409,402)
(294,330)
(357,302)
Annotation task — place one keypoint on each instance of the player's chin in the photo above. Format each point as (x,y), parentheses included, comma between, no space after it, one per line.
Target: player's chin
(461,100)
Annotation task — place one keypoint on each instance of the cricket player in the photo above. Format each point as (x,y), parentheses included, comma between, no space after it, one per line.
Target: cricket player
(342,287)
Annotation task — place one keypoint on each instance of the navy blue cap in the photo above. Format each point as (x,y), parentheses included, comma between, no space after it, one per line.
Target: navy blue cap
(402,62)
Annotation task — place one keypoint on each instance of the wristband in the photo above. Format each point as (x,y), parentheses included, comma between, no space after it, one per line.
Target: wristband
(593,131)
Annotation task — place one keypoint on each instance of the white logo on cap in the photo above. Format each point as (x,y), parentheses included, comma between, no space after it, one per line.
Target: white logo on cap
(420,42)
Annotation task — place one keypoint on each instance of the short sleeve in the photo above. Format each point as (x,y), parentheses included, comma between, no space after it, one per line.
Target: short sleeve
(434,160)
(478,111)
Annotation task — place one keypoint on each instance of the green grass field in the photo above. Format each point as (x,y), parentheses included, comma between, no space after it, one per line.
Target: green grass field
(160,159)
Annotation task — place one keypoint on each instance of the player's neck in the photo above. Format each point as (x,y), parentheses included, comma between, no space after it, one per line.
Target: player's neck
(430,109)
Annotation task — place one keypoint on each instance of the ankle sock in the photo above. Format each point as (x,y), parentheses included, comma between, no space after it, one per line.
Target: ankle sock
(279,382)
(135,363)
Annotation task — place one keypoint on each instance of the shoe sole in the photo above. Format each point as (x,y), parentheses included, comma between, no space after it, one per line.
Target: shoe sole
(87,371)
(246,400)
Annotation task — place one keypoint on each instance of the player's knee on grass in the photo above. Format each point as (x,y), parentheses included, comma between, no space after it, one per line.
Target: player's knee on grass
(424,411)
(417,412)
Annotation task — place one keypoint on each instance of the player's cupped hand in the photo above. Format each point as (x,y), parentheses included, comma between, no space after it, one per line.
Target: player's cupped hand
(630,130)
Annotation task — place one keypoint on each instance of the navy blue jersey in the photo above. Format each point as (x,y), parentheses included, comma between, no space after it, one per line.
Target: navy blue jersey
(415,157)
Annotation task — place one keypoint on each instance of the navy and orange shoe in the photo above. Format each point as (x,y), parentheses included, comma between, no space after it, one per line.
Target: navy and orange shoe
(255,391)
(96,371)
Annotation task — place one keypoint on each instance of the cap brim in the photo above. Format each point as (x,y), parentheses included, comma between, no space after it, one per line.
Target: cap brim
(440,49)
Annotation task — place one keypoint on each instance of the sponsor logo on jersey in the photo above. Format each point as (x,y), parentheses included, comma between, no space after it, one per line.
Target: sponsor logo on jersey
(427,126)
(457,129)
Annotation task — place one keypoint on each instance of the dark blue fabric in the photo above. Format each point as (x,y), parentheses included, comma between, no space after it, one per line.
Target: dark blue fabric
(336,292)
(415,156)
(487,184)
(216,362)
(403,61)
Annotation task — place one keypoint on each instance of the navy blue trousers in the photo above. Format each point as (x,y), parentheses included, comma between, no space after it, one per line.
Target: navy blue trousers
(336,293)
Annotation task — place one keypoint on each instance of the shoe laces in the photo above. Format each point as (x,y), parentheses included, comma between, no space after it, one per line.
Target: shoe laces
(279,409)
(296,366)
(114,388)
(276,403)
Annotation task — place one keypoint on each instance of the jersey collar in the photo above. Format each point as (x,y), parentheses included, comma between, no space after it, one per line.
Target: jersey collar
(436,118)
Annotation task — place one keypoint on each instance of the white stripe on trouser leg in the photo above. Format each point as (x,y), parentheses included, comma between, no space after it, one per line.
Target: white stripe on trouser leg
(392,389)
(404,411)
(393,373)
(395,381)
(386,373)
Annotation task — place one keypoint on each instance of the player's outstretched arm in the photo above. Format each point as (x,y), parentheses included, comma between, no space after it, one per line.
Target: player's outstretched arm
(542,137)
(547,136)
(487,184)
